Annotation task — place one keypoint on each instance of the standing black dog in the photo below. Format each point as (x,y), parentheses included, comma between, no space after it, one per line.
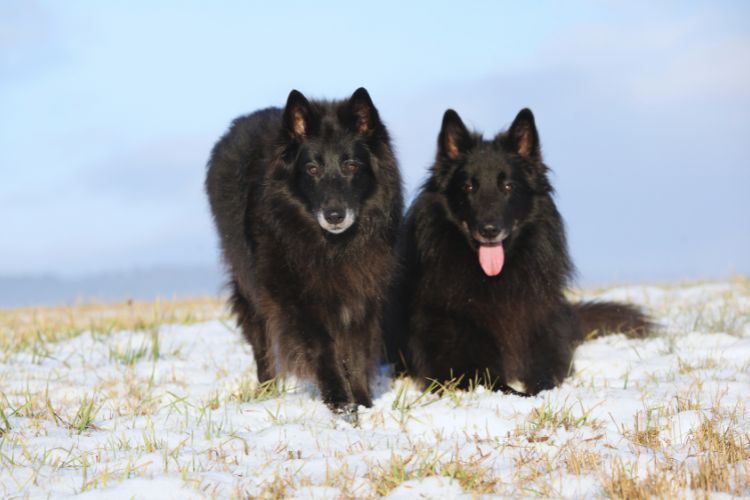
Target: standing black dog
(485,267)
(307,202)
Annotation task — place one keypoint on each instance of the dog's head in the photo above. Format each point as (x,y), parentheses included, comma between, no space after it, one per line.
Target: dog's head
(490,185)
(329,156)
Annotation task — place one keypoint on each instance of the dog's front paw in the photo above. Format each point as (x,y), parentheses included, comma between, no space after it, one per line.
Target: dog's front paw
(347,412)
(363,399)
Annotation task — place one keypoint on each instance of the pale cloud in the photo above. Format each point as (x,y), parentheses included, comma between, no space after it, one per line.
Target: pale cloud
(104,151)
(29,40)
(717,68)
(158,171)
(652,61)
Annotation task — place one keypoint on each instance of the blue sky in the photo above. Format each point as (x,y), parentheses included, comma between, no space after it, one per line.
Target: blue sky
(109,110)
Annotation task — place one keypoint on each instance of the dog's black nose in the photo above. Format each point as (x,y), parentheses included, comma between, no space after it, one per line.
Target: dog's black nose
(334,215)
(489,231)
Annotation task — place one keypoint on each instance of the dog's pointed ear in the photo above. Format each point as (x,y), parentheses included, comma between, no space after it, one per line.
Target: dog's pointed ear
(297,114)
(454,137)
(522,137)
(363,117)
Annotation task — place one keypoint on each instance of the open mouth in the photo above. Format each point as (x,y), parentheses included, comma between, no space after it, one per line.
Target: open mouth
(491,253)
(491,258)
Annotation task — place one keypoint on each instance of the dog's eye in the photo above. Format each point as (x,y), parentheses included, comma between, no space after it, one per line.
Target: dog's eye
(507,187)
(469,187)
(312,169)
(350,166)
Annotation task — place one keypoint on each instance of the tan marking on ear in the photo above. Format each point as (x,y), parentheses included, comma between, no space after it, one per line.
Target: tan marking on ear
(363,125)
(524,142)
(298,123)
(451,148)
(363,120)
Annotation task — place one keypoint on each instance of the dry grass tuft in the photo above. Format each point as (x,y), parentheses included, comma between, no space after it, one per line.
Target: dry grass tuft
(581,461)
(130,405)
(622,482)
(24,327)
(473,474)
(719,461)
(722,458)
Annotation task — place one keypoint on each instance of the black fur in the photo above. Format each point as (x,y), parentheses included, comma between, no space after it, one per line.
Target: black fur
(453,320)
(309,299)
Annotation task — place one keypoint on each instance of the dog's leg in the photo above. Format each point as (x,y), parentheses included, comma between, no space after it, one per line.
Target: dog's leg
(254,330)
(330,376)
(363,348)
(323,361)
(264,359)
(452,352)
(552,347)
(308,349)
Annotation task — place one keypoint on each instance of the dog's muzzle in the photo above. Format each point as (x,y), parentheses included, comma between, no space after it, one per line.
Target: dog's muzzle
(336,221)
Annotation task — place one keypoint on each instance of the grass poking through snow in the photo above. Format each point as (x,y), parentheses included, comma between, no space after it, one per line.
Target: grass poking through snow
(135,397)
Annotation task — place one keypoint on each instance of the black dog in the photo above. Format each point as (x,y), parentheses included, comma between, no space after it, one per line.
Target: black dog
(307,203)
(485,267)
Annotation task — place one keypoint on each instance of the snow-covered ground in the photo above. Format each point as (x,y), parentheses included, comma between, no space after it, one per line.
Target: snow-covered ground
(175,413)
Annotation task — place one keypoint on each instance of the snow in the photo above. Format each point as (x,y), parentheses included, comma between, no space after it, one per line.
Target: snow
(428,488)
(178,422)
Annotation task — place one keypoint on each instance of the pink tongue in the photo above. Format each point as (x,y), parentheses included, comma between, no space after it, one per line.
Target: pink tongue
(491,259)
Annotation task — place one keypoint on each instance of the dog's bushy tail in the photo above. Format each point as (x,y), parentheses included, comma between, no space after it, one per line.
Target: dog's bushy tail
(600,318)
